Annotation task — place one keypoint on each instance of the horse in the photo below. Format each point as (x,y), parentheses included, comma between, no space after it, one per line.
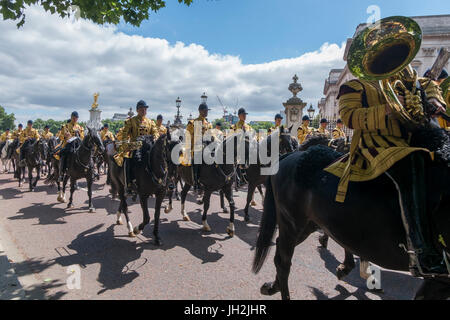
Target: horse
(14,157)
(213,177)
(253,172)
(300,199)
(6,162)
(80,165)
(150,168)
(34,152)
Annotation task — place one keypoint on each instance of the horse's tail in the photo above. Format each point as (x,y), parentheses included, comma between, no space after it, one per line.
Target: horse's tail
(266,229)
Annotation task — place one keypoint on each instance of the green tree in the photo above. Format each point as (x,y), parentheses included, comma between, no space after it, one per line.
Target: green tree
(262,125)
(6,120)
(225,125)
(100,12)
(114,126)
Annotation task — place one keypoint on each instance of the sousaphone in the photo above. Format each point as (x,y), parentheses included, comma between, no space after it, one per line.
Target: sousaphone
(383,52)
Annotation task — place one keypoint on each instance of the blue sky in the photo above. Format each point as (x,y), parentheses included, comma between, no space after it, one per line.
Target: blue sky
(265,30)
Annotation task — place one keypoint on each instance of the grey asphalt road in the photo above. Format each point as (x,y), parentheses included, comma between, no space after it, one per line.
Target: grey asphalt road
(47,245)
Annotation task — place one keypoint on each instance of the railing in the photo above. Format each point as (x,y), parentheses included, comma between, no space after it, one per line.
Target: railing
(332,123)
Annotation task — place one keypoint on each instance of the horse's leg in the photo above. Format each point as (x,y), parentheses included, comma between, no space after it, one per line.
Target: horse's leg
(206,203)
(346,267)
(89,181)
(222,202)
(250,193)
(170,207)
(38,176)
(286,243)
(146,215)
(30,178)
(323,240)
(184,193)
(229,196)
(63,193)
(72,190)
(261,191)
(177,194)
(159,200)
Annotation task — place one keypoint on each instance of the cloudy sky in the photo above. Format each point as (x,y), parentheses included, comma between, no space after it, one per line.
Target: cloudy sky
(52,66)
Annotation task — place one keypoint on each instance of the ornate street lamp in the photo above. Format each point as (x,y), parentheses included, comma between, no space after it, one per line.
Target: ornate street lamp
(311,112)
(204,98)
(178,102)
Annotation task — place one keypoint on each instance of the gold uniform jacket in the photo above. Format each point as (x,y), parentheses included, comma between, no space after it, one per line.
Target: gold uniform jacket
(303,132)
(5,137)
(28,133)
(379,141)
(161,130)
(47,135)
(323,131)
(105,135)
(338,133)
(241,125)
(73,129)
(16,134)
(191,127)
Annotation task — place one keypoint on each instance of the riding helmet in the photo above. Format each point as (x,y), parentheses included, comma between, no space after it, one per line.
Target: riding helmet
(141,104)
(306,118)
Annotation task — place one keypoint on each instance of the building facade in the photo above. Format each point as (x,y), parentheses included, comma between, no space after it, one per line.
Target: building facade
(436,34)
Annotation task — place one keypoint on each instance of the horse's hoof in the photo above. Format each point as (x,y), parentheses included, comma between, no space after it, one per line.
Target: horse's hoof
(131,235)
(206,227)
(200,202)
(225,210)
(136,231)
(342,271)
(230,232)
(91,210)
(168,209)
(119,223)
(268,289)
(323,242)
(158,242)
(186,218)
(253,203)
(70,206)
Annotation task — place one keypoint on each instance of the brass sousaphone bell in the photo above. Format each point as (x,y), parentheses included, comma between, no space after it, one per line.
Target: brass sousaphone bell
(383,52)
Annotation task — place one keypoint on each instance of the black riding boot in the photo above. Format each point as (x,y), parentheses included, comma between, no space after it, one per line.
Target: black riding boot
(409,176)
(129,180)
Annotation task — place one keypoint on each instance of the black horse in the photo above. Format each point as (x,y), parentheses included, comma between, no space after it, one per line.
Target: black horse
(80,165)
(301,198)
(13,155)
(253,173)
(214,177)
(34,153)
(150,169)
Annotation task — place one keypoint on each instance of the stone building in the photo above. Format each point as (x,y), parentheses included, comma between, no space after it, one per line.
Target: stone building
(436,34)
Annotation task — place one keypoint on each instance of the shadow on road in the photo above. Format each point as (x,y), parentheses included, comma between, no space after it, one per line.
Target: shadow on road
(47,214)
(394,284)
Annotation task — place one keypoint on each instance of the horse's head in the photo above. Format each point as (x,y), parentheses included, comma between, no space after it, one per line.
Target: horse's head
(93,139)
(287,143)
(42,148)
(314,140)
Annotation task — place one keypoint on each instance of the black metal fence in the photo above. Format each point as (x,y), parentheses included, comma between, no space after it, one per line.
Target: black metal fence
(315,123)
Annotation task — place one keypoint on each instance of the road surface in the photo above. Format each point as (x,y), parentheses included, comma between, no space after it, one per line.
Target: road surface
(46,245)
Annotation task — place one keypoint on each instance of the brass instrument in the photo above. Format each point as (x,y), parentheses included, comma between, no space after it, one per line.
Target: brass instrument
(446,93)
(383,52)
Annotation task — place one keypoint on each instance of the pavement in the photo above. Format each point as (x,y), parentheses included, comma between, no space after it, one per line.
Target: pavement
(50,252)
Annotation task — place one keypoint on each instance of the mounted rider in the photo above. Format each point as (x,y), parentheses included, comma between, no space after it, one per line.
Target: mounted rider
(16,133)
(305,130)
(159,125)
(6,135)
(46,135)
(323,128)
(69,133)
(381,140)
(338,132)
(241,125)
(28,133)
(134,128)
(278,122)
(105,134)
(196,129)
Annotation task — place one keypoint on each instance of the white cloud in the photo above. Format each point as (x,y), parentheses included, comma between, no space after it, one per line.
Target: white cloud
(51,67)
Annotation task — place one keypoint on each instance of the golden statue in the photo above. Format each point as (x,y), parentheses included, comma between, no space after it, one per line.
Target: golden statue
(95,104)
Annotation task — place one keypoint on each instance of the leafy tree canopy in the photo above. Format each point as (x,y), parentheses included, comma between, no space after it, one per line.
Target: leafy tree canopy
(100,12)
(6,120)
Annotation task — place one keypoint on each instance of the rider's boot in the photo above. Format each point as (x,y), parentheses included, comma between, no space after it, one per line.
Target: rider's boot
(425,259)
(130,182)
